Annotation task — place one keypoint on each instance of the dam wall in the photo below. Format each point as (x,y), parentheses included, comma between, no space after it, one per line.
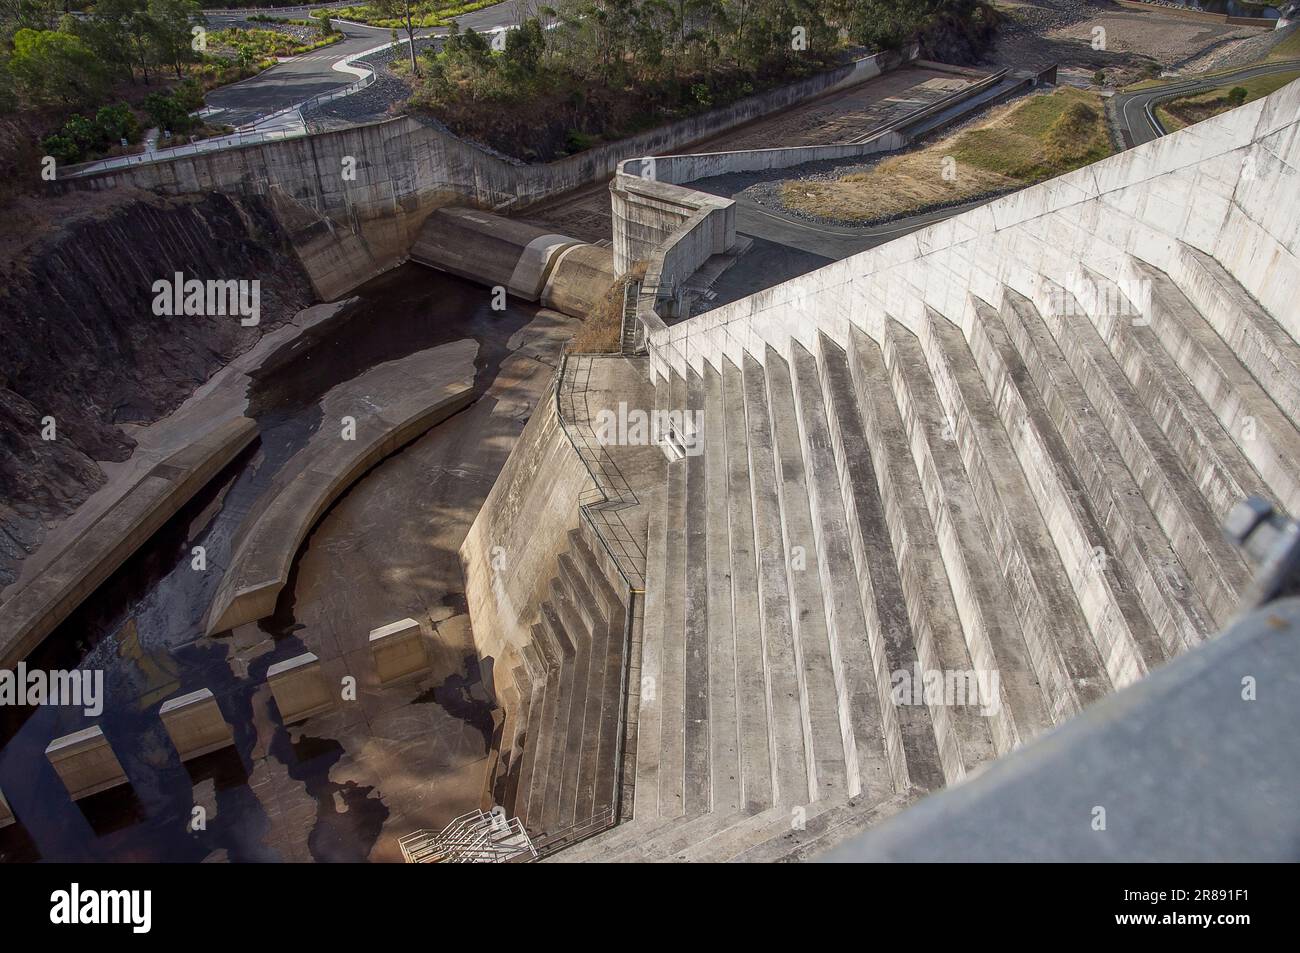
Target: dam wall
(1212,187)
(509,555)
(1002,448)
(354,199)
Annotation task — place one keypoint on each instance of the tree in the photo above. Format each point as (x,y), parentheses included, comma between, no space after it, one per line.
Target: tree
(51,68)
(170,23)
(400,10)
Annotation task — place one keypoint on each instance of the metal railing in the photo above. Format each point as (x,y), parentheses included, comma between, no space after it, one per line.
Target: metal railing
(600,508)
(550,843)
(477,837)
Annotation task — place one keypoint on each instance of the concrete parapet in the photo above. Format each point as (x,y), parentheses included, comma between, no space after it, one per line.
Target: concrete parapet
(34,611)
(398,650)
(195,724)
(299,687)
(85,763)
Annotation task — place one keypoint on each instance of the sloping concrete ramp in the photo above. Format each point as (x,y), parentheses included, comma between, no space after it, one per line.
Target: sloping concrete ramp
(529,262)
(95,554)
(388,406)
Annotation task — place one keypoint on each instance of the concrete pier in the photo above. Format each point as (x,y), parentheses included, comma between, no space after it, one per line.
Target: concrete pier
(300,688)
(195,724)
(85,763)
(397,650)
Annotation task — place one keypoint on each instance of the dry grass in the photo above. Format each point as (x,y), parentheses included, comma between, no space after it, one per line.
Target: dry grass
(602,331)
(1018,145)
(1185,111)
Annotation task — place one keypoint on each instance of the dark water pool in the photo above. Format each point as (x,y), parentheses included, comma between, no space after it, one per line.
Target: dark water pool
(143,627)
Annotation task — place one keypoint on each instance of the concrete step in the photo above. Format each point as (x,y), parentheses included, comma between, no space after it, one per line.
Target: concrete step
(1215,567)
(744,833)
(988,617)
(1256,425)
(724,723)
(1208,454)
(874,753)
(1060,642)
(516,700)
(787,705)
(548,775)
(1250,332)
(522,753)
(1122,633)
(535,665)
(584,748)
(599,773)
(562,798)
(649,716)
(754,727)
(831,749)
(914,604)
(1168,595)
(532,788)
(697,771)
(671,687)
(819,834)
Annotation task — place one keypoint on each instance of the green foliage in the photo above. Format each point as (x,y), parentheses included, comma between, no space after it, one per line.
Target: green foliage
(50,67)
(1237,96)
(167,112)
(85,136)
(116,123)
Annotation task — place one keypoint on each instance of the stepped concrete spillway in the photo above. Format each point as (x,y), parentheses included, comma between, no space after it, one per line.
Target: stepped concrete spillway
(942,497)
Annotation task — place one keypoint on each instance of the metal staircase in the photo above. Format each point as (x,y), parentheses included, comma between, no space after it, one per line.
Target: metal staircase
(478,837)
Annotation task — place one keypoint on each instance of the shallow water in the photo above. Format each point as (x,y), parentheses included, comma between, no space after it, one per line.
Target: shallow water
(143,627)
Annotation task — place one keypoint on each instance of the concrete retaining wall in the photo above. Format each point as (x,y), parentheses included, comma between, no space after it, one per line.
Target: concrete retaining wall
(511,552)
(354,199)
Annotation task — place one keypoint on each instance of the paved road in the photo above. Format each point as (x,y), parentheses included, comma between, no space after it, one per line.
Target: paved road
(313,73)
(1135,109)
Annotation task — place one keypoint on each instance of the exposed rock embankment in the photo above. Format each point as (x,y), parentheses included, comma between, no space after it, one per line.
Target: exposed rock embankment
(83,346)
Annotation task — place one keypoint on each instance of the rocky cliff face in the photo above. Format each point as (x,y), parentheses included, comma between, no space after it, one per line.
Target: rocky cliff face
(81,343)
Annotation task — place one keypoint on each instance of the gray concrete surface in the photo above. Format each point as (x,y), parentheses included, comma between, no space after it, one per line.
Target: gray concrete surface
(385,408)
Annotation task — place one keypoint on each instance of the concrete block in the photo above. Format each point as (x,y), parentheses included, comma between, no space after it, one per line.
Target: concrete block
(85,763)
(195,724)
(398,650)
(6,813)
(299,687)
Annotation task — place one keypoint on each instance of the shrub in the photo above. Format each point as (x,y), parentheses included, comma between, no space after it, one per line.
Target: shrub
(1237,95)
(116,123)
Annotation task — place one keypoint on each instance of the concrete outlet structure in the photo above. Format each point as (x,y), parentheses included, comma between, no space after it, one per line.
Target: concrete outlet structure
(85,763)
(195,724)
(299,687)
(398,650)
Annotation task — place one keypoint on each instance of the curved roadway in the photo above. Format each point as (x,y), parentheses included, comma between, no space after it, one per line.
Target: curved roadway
(1136,110)
(298,79)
